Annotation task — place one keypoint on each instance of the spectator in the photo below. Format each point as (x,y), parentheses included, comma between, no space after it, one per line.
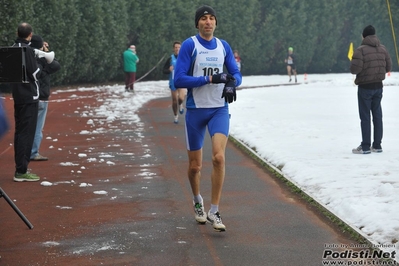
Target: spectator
(44,94)
(370,62)
(26,98)
(130,60)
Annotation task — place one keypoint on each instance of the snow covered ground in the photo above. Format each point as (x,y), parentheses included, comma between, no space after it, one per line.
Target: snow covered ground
(308,131)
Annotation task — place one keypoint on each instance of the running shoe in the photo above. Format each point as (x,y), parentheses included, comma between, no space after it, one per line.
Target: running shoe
(200,214)
(216,221)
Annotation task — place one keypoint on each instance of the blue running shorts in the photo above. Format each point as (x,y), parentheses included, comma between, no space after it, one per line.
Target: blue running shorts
(197,119)
(172,87)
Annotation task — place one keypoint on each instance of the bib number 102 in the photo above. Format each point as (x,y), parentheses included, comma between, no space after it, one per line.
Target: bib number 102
(208,71)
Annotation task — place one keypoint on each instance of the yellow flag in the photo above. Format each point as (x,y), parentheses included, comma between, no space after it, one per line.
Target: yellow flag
(350,52)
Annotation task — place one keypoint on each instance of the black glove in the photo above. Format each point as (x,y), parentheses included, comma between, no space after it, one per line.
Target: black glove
(222,78)
(229,91)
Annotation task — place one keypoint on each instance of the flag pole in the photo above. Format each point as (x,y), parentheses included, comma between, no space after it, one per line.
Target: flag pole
(393,31)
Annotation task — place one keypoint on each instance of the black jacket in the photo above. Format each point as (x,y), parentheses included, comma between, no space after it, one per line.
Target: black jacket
(27,92)
(44,80)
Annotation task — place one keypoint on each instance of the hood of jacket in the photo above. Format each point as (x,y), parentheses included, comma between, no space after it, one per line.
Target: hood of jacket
(371,40)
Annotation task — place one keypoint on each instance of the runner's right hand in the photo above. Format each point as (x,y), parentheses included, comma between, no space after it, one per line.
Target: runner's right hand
(222,78)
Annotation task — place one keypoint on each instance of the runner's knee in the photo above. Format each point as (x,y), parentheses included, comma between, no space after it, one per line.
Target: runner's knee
(194,169)
(218,159)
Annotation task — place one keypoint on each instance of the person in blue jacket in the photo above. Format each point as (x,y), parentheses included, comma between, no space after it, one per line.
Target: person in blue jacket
(199,68)
(178,94)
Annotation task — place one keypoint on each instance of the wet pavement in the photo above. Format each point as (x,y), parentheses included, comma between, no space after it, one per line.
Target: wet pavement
(117,194)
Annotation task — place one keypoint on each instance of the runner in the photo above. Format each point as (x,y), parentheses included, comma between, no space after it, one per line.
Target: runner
(178,94)
(238,59)
(199,69)
(291,60)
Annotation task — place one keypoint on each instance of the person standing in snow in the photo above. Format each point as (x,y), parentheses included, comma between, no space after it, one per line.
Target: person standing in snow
(370,62)
(199,68)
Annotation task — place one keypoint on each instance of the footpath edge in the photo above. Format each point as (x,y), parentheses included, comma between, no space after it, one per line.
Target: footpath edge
(342,225)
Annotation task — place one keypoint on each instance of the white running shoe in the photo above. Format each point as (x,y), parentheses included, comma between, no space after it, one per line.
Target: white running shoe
(176,120)
(216,221)
(181,109)
(200,214)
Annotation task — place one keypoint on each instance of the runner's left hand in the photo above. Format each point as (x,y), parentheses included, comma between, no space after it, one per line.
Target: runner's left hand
(229,91)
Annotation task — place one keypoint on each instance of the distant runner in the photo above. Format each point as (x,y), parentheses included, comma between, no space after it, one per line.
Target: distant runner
(178,94)
(290,60)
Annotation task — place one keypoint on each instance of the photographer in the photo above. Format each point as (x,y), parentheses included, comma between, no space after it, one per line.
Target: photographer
(44,93)
(26,97)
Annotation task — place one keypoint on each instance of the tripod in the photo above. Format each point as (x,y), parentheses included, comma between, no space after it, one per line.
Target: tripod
(20,214)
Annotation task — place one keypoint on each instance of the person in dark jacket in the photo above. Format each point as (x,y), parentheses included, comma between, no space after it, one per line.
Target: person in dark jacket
(44,94)
(26,98)
(370,63)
